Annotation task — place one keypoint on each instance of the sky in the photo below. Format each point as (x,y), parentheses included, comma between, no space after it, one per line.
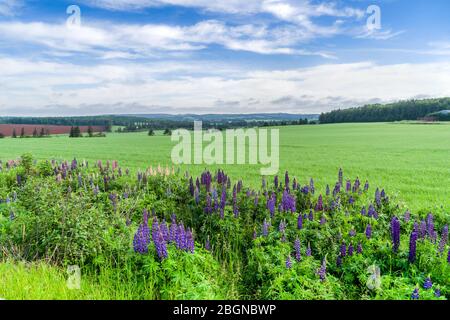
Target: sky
(91,57)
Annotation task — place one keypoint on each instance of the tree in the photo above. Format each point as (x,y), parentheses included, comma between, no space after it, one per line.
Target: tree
(167,132)
(77,132)
(71,132)
(22,133)
(42,133)
(35,134)
(151,132)
(14,134)
(90,132)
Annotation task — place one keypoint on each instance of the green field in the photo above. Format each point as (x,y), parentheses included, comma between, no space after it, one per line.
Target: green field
(409,160)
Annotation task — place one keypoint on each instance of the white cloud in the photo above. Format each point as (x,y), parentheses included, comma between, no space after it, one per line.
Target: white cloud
(9,7)
(128,40)
(119,88)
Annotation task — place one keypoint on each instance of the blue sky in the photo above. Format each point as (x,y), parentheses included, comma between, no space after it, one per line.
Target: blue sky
(208,56)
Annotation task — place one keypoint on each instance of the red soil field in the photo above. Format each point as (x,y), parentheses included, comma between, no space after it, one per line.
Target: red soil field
(7,129)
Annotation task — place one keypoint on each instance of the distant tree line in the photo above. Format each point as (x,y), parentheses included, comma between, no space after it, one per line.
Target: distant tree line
(403,110)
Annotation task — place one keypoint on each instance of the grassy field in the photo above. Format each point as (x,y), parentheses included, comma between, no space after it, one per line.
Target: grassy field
(409,160)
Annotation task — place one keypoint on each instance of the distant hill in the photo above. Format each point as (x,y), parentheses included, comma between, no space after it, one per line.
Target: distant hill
(402,110)
(228,117)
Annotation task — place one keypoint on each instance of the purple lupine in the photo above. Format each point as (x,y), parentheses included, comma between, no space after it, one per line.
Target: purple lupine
(327,191)
(412,247)
(181,237)
(190,244)
(351,200)
(423,229)
(282,226)
(348,186)
(191,187)
(304,190)
(208,206)
(359,248)
(288,262)
(369,231)
(427,285)
(300,222)
(363,211)
(197,195)
(223,198)
(173,231)
(319,205)
(265,228)
(286,180)
(407,216)
(339,261)
(395,234)
(294,184)
(366,185)
(235,210)
(165,230)
(298,256)
(161,246)
(311,185)
(430,226)
(444,239)
(448,256)
(311,215)
(437,293)
(350,250)
(352,233)
(343,250)
(288,202)
(155,229)
(371,212)
(322,272)
(415,294)
(323,220)
(308,251)
(271,205)
(378,197)
(141,239)
(275,182)
(340,176)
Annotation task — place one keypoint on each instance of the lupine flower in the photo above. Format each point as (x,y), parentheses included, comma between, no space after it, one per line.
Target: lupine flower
(378,197)
(288,202)
(265,228)
(300,222)
(271,205)
(322,272)
(191,187)
(181,237)
(371,211)
(444,238)
(311,185)
(363,211)
(339,261)
(340,176)
(350,250)
(430,226)
(298,256)
(359,248)
(412,247)
(254,235)
(286,180)
(437,293)
(304,190)
(423,229)
(407,216)
(235,210)
(190,245)
(282,226)
(161,247)
(448,256)
(427,284)
(223,198)
(327,192)
(369,231)
(348,186)
(323,220)
(308,251)
(208,206)
(311,215)
(165,231)
(275,182)
(337,189)
(395,233)
(288,262)
(294,184)
(11,216)
(319,205)
(415,294)
(343,250)
(155,229)
(351,200)
(142,239)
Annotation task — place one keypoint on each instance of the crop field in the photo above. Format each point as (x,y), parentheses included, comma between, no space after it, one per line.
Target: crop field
(411,161)
(356,212)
